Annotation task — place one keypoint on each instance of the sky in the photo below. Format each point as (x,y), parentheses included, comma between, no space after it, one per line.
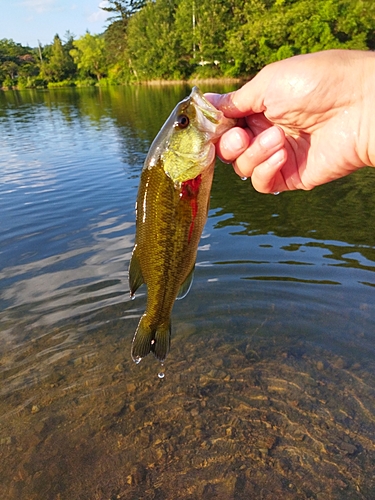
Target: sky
(27,21)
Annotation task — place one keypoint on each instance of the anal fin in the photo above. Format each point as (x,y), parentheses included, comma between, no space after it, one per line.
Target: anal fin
(186,285)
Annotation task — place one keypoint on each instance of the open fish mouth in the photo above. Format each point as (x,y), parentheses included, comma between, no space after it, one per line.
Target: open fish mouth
(211,120)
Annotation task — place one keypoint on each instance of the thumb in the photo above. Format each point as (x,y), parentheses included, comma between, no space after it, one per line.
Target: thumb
(242,102)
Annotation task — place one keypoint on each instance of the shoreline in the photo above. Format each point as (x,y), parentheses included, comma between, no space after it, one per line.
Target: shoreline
(193,81)
(190,81)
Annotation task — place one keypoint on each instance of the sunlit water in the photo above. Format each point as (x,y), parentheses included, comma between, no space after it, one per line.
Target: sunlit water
(269,389)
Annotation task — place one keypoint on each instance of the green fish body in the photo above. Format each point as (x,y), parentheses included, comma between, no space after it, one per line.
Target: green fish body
(171,211)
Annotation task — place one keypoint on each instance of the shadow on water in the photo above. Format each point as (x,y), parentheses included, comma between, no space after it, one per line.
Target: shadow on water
(269,387)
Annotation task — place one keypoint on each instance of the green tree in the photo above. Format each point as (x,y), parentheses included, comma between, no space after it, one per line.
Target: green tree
(201,30)
(116,38)
(152,42)
(59,65)
(123,10)
(174,39)
(268,30)
(89,55)
(9,70)
(16,63)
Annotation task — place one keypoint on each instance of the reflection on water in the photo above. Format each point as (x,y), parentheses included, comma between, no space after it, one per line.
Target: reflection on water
(269,386)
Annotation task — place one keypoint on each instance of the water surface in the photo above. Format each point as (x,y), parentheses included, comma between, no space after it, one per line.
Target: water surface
(269,386)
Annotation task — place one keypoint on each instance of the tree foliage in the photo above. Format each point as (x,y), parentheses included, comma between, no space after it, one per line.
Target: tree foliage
(89,55)
(123,10)
(179,39)
(16,62)
(59,65)
(153,46)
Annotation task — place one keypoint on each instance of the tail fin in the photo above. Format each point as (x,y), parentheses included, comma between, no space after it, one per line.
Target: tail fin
(150,339)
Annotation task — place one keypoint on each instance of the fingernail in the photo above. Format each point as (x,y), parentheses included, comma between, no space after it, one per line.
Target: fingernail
(276,159)
(233,142)
(270,138)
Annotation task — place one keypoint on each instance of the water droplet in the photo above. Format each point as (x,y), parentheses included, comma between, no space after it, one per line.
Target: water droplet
(137,360)
(161,374)
(276,193)
(244,178)
(132,296)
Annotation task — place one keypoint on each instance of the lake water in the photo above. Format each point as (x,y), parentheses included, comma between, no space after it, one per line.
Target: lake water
(269,387)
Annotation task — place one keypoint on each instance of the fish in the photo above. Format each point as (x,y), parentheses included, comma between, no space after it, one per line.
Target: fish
(171,211)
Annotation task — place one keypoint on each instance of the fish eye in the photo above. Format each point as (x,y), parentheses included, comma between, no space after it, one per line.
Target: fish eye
(182,121)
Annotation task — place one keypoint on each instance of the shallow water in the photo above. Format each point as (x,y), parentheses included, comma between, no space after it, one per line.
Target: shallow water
(269,388)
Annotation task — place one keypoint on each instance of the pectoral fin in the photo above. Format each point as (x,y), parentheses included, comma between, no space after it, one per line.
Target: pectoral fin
(186,285)
(135,273)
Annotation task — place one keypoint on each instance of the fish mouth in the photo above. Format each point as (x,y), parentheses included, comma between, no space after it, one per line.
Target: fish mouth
(206,108)
(210,119)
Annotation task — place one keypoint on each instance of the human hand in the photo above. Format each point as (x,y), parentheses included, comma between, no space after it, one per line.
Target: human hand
(304,121)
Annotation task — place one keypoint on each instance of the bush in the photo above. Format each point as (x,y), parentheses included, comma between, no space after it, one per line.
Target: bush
(210,70)
(87,82)
(8,82)
(63,83)
(104,82)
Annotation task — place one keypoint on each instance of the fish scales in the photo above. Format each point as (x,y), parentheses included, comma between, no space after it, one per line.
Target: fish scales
(171,211)
(168,251)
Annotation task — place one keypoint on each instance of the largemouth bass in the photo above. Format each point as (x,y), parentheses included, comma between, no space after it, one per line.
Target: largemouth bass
(171,211)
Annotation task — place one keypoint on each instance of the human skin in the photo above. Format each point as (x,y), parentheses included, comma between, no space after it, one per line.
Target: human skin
(303,121)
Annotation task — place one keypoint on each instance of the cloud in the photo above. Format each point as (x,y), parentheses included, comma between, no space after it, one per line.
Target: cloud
(100,15)
(38,5)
